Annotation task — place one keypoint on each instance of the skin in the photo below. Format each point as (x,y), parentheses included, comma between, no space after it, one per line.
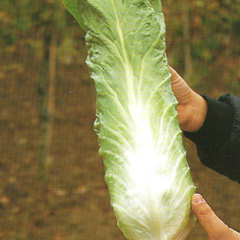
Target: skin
(191,110)
(215,228)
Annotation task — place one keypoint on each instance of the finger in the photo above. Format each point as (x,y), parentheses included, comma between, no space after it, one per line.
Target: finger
(180,88)
(214,227)
(174,74)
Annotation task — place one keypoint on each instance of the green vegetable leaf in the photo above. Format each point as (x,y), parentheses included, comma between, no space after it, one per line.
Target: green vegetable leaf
(140,140)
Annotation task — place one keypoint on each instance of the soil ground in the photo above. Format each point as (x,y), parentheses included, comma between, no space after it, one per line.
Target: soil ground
(72,202)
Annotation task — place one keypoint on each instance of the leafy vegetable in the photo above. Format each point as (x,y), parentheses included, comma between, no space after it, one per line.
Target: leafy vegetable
(140,141)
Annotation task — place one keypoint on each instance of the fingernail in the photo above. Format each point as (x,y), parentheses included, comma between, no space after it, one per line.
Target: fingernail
(197,198)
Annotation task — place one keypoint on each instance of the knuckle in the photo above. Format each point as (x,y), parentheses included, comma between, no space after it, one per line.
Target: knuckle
(206,211)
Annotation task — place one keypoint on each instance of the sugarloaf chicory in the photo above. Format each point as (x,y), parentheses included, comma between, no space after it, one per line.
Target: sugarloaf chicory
(140,140)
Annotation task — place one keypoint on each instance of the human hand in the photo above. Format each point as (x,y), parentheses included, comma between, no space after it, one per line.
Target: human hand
(214,227)
(191,108)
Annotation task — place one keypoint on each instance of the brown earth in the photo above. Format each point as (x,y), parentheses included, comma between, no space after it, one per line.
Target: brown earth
(72,202)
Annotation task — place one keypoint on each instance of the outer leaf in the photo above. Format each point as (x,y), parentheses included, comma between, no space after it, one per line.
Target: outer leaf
(140,140)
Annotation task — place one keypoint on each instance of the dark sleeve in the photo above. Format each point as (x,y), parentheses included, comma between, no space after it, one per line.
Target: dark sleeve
(218,140)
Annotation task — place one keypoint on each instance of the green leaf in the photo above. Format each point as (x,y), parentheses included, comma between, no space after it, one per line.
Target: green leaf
(140,140)
(75,8)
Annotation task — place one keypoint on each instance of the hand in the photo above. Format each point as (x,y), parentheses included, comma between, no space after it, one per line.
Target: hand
(214,227)
(191,108)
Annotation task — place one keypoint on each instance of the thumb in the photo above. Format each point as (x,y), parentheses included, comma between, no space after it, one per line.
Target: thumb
(214,227)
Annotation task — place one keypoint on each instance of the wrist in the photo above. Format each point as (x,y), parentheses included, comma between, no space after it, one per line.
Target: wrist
(216,127)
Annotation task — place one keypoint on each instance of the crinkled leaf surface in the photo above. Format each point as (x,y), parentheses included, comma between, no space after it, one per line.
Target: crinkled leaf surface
(140,141)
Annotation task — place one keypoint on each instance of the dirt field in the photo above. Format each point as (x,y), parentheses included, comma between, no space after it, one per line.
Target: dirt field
(72,203)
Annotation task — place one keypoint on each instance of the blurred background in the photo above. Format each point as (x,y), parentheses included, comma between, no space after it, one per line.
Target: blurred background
(51,177)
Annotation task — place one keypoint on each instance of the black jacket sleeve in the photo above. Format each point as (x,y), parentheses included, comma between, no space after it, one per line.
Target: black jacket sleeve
(218,140)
